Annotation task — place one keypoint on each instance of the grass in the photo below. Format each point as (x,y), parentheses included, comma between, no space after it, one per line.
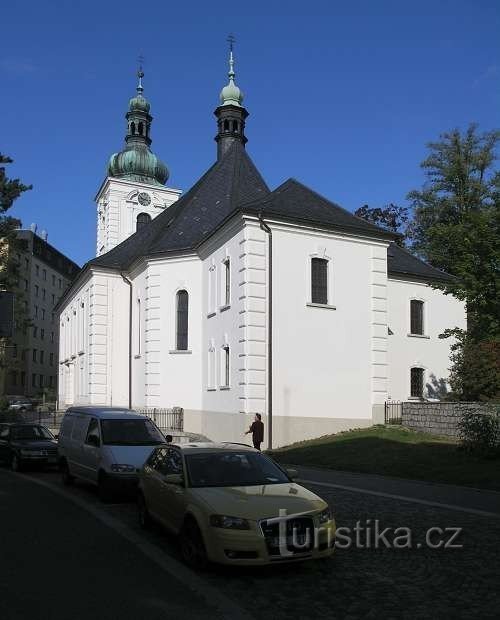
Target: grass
(394,451)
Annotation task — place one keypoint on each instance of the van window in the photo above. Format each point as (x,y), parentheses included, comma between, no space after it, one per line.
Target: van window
(93,432)
(67,426)
(80,426)
(130,433)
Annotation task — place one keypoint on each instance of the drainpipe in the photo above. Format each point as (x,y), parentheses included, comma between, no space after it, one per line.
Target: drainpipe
(266,229)
(129,283)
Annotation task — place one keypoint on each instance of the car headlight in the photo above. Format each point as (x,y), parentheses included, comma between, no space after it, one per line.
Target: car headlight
(325,515)
(229,523)
(33,452)
(122,469)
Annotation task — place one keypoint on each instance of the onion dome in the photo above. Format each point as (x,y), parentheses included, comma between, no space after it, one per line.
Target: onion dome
(231,94)
(136,162)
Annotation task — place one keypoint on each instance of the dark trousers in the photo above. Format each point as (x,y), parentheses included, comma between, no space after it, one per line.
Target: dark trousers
(256,444)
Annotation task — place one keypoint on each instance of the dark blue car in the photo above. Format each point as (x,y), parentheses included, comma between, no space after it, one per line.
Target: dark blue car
(23,445)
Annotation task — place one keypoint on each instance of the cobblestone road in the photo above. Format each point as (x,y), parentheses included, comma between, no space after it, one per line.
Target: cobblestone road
(418,582)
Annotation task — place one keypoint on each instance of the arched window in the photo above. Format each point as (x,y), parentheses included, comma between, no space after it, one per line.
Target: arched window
(141,128)
(132,127)
(226,125)
(235,126)
(181,332)
(142,220)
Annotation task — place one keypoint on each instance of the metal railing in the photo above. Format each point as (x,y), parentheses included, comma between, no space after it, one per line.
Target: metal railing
(393,410)
(165,419)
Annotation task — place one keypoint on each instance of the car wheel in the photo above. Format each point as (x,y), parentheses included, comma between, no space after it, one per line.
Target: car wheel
(16,464)
(144,516)
(67,478)
(104,488)
(193,549)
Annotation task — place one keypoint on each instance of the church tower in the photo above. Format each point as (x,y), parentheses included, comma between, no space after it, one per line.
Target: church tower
(134,191)
(230,114)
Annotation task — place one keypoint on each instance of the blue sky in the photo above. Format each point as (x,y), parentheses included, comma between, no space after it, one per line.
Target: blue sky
(342,96)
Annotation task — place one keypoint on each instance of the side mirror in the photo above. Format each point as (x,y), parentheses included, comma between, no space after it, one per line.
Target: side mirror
(177,479)
(293,474)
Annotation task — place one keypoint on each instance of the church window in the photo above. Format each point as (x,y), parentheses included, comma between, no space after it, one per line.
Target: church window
(132,127)
(226,125)
(416,317)
(181,331)
(212,289)
(142,220)
(417,383)
(235,126)
(319,281)
(139,328)
(225,367)
(211,368)
(226,283)
(141,129)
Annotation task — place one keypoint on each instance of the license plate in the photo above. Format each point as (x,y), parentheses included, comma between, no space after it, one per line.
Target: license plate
(291,541)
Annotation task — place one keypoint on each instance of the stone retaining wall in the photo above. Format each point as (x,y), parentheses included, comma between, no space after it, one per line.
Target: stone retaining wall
(437,418)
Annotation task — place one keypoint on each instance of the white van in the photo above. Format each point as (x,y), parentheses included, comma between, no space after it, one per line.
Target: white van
(106,446)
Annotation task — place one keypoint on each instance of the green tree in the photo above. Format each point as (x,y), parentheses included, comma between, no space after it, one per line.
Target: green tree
(456,222)
(10,190)
(391,216)
(456,227)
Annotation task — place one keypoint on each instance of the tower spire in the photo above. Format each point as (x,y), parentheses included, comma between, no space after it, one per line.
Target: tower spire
(230,114)
(136,161)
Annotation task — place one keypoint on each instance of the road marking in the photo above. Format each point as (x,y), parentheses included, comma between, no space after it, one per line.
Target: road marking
(214,598)
(414,500)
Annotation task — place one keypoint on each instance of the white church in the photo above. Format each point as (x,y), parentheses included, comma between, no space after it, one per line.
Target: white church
(233,299)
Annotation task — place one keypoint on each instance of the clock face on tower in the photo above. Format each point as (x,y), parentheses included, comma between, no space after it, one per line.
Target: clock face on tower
(144,199)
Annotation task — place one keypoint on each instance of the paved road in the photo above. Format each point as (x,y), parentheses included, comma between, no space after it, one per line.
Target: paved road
(59,562)
(359,582)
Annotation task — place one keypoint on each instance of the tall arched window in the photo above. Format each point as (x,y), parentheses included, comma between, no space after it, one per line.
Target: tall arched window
(226,125)
(141,128)
(142,220)
(181,332)
(132,127)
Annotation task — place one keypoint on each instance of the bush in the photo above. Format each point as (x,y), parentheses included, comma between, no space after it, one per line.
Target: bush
(479,432)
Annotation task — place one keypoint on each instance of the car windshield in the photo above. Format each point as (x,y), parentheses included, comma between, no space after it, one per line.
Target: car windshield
(232,469)
(30,432)
(130,433)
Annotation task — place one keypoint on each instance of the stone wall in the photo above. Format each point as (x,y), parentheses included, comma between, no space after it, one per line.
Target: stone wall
(439,418)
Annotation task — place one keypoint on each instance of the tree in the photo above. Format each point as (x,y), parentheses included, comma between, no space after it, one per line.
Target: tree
(10,190)
(392,217)
(456,223)
(456,227)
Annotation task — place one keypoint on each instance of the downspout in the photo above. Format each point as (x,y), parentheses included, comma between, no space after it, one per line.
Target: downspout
(266,229)
(127,281)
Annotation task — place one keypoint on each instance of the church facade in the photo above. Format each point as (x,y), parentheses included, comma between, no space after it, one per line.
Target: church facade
(232,299)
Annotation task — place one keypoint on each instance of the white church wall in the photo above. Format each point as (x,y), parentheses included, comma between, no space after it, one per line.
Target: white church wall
(324,373)
(224,323)
(118,207)
(172,377)
(92,347)
(428,352)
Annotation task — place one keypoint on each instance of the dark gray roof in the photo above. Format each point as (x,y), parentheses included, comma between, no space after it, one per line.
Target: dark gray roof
(234,185)
(293,201)
(401,263)
(230,182)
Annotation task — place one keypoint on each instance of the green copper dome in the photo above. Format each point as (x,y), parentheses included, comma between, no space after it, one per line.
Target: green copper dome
(139,103)
(231,94)
(136,162)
